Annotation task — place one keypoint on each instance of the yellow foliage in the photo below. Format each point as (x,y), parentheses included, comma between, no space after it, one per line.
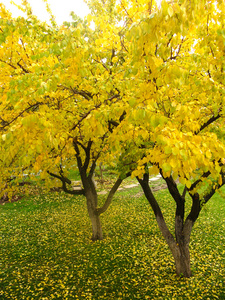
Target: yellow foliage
(147,81)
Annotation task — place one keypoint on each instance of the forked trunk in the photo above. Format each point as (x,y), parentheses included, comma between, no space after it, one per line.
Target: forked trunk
(93,210)
(86,168)
(179,246)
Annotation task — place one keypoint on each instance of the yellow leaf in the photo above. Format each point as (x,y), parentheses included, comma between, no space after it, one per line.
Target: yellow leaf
(220,181)
(57,160)
(170,11)
(208,154)
(188,184)
(166,167)
(175,150)
(153,170)
(173,163)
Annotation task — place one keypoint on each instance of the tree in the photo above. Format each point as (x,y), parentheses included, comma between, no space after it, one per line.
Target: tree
(59,102)
(177,109)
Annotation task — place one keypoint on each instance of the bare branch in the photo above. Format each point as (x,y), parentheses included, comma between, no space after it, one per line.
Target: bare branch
(88,156)
(22,67)
(110,196)
(65,180)
(102,63)
(84,94)
(79,161)
(150,7)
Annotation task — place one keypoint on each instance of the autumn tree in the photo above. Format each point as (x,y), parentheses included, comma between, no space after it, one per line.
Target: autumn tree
(59,101)
(177,109)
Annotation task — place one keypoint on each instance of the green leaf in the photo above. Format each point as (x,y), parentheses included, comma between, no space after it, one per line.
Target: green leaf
(166,167)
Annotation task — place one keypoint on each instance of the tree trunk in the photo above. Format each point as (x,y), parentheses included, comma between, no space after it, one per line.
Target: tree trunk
(96,227)
(178,247)
(182,259)
(87,178)
(94,216)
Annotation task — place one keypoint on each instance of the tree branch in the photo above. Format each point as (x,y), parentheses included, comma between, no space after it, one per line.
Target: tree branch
(79,161)
(65,180)
(156,209)
(207,123)
(195,208)
(110,196)
(12,66)
(213,189)
(84,94)
(19,115)
(198,203)
(93,166)
(88,156)
(180,205)
(172,187)
(25,70)
(193,186)
(85,116)
(95,107)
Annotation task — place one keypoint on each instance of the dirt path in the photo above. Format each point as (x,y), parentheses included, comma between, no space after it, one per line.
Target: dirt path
(157,187)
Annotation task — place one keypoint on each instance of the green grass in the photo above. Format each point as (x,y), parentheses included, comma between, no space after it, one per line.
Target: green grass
(46,252)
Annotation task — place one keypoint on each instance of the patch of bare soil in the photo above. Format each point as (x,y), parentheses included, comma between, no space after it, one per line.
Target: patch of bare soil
(5,199)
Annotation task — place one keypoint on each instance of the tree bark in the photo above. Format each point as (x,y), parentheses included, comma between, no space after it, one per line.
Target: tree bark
(92,203)
(96,225)
(110,196)
(179,246)
(181,257)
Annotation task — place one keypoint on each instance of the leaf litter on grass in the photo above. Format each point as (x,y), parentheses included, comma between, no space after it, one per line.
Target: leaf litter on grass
(46,252)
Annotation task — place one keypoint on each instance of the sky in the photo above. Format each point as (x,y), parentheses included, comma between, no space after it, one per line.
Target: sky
(61,9)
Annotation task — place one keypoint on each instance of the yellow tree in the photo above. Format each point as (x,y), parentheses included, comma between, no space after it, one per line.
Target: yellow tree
(60,100)
(176,108)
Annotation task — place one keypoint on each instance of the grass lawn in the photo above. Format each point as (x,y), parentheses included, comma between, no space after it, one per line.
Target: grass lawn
(45,251)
